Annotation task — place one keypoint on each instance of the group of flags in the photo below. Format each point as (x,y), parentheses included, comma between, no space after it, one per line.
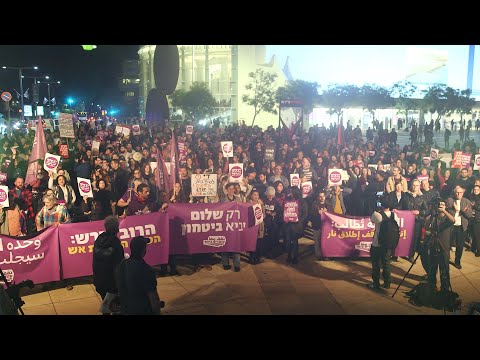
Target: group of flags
(27,96)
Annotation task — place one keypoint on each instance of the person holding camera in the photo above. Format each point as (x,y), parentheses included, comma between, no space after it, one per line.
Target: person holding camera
(383,243)
(437,231)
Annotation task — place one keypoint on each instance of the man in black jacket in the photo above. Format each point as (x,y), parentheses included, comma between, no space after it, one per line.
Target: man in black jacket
(119,183)
(107,254)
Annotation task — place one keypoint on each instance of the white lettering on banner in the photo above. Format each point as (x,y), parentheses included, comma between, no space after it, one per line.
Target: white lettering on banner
(215,241)
(364,246)
(207,215)
(230,214)
(20,258)
(345,223)
(197,228)
(126,233)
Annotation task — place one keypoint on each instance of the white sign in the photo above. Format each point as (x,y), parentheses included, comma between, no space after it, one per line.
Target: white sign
(51,162)
(235,172)
(476,165)
(189,130)
(306,188)
(96,145)
(227,148)
(136,129)
(258,214)
(153,165)
(204,185)
(434,154)
(446,158)
(27,110)
(85,187)
(65,125)
(295,180)
(4,197)
(334,177)
(122,130)
(345,175)
(40,111)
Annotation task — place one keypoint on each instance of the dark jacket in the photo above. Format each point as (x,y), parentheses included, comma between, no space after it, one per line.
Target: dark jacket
(107,254)
(418,203)
(299,227)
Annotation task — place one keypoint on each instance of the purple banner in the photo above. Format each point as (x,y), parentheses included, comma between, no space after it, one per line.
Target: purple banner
(351,236)
(76,241)
(205,228)
(33,257)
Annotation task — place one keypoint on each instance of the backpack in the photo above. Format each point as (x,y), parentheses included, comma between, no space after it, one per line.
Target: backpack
(424,294)
(389,232)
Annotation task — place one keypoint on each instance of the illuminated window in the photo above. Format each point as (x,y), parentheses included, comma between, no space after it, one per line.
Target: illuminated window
(130,93)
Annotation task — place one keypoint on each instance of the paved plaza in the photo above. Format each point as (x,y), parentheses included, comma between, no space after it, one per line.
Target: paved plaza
(272,288)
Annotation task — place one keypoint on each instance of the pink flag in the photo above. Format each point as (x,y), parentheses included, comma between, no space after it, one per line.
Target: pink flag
(340,132)
(162,180)
(39,150)
(173,162)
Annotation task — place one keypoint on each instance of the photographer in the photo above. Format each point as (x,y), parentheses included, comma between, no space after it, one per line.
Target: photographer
(382,248)
(438,230)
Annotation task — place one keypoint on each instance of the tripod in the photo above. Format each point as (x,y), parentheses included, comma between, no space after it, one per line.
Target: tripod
(13,291)
(437,253)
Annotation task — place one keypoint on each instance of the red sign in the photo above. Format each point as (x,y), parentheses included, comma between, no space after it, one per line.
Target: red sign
(51,162)
(3,195)
(84,186)
(236,172)
(6,96)
(290,211)
(63,151)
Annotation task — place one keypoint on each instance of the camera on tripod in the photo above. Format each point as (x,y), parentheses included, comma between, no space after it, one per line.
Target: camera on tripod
(434,203)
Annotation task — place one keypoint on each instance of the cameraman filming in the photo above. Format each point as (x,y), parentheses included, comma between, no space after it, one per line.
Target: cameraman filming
(438,228)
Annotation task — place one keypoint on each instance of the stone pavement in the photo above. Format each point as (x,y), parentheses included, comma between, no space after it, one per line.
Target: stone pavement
(272,288)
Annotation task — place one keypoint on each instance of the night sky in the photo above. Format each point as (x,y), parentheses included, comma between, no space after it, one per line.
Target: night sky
(88,75)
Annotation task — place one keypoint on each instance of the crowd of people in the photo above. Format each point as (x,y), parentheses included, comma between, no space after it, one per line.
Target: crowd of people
(125,183)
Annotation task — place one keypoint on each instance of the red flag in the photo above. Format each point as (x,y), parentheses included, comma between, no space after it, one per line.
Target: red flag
(340,132)
(39,149)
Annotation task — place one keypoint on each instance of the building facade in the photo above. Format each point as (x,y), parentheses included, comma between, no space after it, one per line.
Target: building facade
(224,68)
(129,85)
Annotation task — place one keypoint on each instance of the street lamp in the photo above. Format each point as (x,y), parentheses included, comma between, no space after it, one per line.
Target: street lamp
(21,81)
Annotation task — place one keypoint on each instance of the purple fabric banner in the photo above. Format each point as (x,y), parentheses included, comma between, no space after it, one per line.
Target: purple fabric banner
(76,241)
(33,257)
(205,228)
(351,236)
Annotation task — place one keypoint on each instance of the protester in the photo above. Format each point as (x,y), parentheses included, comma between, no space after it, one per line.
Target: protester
(52,214)
(137,283)
(107,254)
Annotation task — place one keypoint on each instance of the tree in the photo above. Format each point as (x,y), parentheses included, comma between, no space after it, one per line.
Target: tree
(464,103)
(262,85)
(305,91)
(440,99)
(403,91)
(197,102)
(339,97)
(373,97)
